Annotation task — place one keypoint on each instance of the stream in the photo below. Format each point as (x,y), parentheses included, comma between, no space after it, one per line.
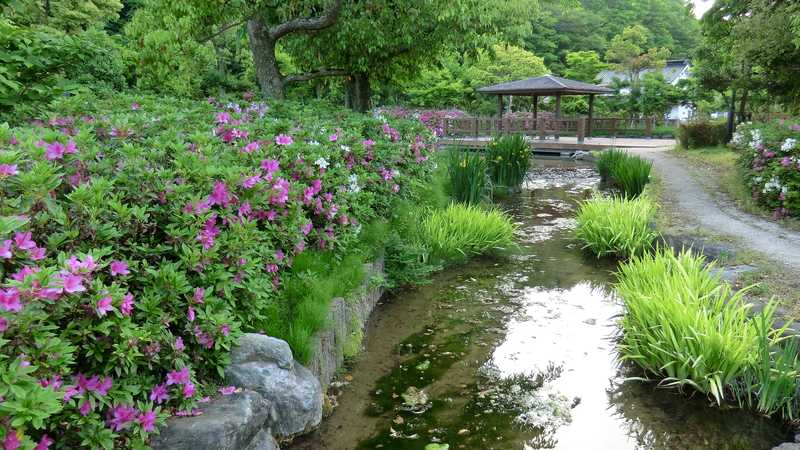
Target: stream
(519,353)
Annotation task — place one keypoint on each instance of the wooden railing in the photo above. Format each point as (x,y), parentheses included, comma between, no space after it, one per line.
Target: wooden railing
(544,127)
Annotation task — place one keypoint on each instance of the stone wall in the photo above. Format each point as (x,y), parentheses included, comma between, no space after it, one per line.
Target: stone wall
(277,397)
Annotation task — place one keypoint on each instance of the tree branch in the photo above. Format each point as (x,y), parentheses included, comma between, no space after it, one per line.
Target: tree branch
(315,74)
(222,30)
(308,23)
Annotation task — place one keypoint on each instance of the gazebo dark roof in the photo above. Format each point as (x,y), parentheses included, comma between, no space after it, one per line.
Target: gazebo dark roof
(545,85)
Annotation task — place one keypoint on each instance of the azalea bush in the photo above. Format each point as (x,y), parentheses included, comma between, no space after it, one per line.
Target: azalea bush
(140,236)
(770,159)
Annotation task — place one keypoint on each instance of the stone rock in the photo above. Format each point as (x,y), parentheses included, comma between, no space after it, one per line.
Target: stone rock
(732,273)
(295,394)
(263,441)
(711,250)
(787,446)
(227,423)
(258,347)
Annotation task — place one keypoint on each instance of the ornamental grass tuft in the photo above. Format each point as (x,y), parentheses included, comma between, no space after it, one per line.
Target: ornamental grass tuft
(508,159)
(468,181)
(614,226)
(627,172)
(460,231)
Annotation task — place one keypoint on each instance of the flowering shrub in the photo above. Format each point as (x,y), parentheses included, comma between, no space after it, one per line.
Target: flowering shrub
(139,237)
(770,157)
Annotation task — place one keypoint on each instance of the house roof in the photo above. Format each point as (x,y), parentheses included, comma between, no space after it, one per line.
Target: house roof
(671,71)
(544,85)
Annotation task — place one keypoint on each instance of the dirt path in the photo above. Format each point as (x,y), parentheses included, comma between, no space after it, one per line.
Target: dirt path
(720,215)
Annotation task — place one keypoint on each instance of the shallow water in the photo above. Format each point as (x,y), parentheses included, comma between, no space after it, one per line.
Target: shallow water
(519,353)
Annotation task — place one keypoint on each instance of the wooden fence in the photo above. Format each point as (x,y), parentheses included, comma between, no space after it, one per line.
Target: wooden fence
(544,127)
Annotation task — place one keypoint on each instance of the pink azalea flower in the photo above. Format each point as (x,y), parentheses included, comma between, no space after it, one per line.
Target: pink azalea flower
(199,295)
(270,165)
(122,415)
(190,315)
(179,344)
(159,394)
(54,151)
(283,139)
(178,376)
(104,386)
(13,140)
(368,143)
(225,329)
(279,255)
(251,147)
(69,392)
(188,390)
(72,283)
(23,241)
(135,106)
(119,268)
(272,268)
(220,195)
(85,408)
(5,249)
(11,442)
(3,324)
(249,182)
(10,300)
(227,390)
(103,306)
(44,443)
(147,420)
(305,229)
(223,117)
(37,254)
(71,147)
(7,170)
(334,137)
(126,307)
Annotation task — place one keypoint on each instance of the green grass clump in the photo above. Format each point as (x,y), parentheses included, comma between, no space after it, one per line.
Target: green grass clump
(468,182)
(629,173)
(613,226)
(683,324)
(509,159)
(461,231)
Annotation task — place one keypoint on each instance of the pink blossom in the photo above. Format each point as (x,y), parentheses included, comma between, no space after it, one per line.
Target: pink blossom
(10,300)
(54,151)
(223,117)
(69,392)
(147,420)
(220,195)
(11,442)
(368,143)
(37,254)
(334,137)
(279,255)
(199,295)
(103,306)
(249,182)
(13,140)
(227,390)
(134,106)
(305,229)
(3,324)
(23,241)
(272,268)
(104,386)
(44,443)
(281,188)
(5,249)
(283,139)
(85,408)
(188,390)
(159,394)
(179,344)
(126,307)
(251,147)
(71,147)
(178,376)
(72,283)
(190,315)
(119,268)
(225,329)
(270,165)
(121,415)
(77,266)
(7,170)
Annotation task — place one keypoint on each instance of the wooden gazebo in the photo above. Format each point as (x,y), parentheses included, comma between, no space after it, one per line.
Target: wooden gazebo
(546,86)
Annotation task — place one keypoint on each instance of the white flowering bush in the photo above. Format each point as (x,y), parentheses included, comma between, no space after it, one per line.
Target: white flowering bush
(770,156)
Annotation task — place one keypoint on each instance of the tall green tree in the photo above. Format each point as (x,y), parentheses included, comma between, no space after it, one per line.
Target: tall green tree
(584,66)
(66,15)
(628,54)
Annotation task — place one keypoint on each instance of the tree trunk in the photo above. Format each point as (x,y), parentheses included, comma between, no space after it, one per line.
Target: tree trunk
(358,92)
(262,45)
(731,113)
(742,106)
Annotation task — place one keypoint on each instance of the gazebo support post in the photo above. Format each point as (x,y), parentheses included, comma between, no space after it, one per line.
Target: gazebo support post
(558,115)
(591,111)
(500,113)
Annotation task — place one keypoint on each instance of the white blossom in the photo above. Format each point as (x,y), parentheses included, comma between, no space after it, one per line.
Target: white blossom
(788,144)
(354,187)
(322,163)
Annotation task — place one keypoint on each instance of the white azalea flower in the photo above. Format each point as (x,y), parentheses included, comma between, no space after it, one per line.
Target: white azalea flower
(322,163)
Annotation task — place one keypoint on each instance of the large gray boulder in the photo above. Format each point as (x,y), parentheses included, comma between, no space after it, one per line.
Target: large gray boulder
(227,423)
(263,441)
(294,393)
(787,446)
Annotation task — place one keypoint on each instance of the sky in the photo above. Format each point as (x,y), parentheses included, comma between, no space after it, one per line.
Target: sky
(701,6)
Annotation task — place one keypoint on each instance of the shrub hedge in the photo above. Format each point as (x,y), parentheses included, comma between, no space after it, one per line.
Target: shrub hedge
(701,133)
(139,236)
(770,159)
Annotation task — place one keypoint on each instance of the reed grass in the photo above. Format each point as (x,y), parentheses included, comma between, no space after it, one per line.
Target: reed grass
(468,182)
(627,172)
(461,231)
(508,160)
(614,226)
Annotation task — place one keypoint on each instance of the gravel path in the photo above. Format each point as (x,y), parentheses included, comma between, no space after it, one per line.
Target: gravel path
(721,216)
